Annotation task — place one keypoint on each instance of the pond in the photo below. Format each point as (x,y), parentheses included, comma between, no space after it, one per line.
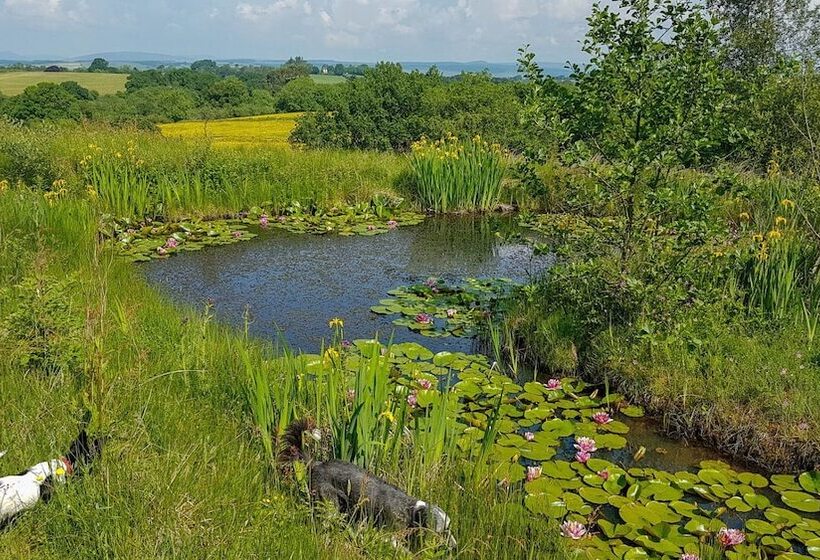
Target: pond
(291,285)
(294,284)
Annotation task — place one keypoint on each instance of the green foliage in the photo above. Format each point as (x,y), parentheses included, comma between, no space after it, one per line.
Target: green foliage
(41,326)
(456,176)
(99,65)
(230,91)
(163,103)
(44,101)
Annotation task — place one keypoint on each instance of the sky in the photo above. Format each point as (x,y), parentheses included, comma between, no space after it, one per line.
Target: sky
(353,30)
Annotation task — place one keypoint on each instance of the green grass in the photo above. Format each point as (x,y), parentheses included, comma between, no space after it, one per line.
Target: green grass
(187,471)
(13,83)
(327,79)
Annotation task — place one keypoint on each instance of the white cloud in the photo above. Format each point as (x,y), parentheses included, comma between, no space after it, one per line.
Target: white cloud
(45,11)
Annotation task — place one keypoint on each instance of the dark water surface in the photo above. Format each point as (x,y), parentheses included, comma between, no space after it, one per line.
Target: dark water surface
(297,282)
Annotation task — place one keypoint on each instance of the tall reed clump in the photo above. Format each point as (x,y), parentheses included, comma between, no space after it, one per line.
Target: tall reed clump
(457,176)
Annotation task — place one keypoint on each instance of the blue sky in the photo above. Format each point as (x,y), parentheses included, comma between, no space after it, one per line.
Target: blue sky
(365,30)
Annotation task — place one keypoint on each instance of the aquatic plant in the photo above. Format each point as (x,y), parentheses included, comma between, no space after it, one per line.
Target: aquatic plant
(453,175)
(601,418)
(729,538)
(573,530)
(553,384)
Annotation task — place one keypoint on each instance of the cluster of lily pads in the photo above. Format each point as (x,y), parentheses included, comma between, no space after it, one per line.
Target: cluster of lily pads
(436,309)
(564,444)
(155,240)
(363,219)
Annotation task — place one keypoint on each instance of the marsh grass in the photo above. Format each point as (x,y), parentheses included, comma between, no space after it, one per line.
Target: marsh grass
(457,176)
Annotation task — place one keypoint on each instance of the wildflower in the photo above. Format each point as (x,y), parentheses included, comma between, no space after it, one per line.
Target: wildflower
(763,254)
(744,216)
(162,251)
(585,445)
(171,243)
(425,384)
(730,537)
(263,220)
(758,238)
(689,556)
(451,313)
(603,474)
(371,227)
(92,192)
(780,221)
(388,416)
(392,224)
(351,395)
(553,384)
(533,473)
(4,186)
(431,282)
(336,322)
(583,456)
(236,234)
(119,155)
(786,203)
(346,344)
(573,530)
(413,399)
(774,235)
(601,418)
(424,319)
(529,436)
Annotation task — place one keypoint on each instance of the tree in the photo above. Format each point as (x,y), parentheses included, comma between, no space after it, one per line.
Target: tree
(204,65)
(44,101)
(229,92)
(292,69)
(651,98)
(163,103)
(759,33)
(99,65)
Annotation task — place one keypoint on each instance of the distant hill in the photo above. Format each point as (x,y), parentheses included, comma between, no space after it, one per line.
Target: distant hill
(145,60)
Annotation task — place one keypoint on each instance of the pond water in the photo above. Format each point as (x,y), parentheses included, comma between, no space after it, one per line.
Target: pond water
(294,283)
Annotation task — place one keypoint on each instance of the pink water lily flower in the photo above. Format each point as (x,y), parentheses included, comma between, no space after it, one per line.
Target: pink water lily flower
(423,319)
(573,530)
(425,384)
(237,234)
(392,224)
(371,227)
(263,220)
(413,399)
(553,384)
(171,243)
(601,418)
(451,313)
(603,474)
(162,251)
(583,456)
(586,445)
(431,282)
(529,436)
(533,473)
(730,537)
(689,556)
(282,219)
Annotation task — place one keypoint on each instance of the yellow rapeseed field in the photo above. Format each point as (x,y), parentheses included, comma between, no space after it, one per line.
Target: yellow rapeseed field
(263,130)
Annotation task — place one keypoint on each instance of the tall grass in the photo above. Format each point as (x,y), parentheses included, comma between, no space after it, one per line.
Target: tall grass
(453,175)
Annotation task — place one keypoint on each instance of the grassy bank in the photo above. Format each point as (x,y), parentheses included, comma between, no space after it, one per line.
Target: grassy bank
(714,329)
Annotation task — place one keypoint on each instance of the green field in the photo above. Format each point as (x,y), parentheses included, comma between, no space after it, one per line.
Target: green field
(13,83)
(327,79)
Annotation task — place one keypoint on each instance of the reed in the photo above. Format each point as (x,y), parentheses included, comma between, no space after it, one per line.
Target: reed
(455,176)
